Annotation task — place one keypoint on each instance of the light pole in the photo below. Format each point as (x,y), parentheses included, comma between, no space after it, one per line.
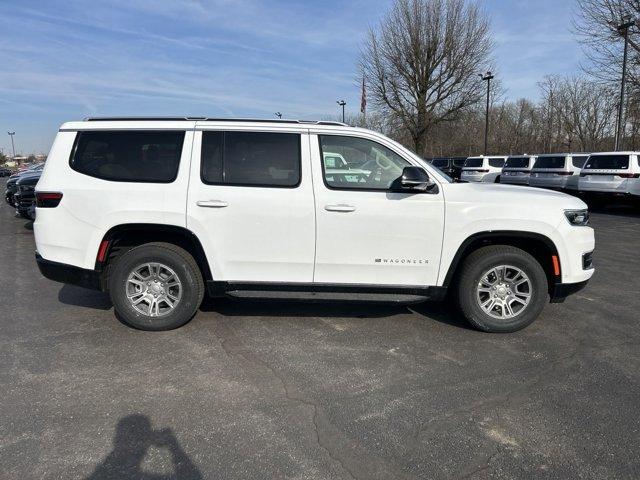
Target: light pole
(486,77)
(13,147)
(623,29)
(342,103)
(279,115)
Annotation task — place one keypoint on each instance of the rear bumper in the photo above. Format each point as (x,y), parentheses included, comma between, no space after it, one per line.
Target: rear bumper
(69,274)
(562,290)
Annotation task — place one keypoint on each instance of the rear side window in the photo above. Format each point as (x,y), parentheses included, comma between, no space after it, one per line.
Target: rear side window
(473,162)
(608,162)
(459,162)
(549,162)
(251,158)
(496,162)
(129,156)
(579,160)
(517,162)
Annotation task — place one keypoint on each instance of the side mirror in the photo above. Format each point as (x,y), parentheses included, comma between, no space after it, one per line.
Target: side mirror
(415,178)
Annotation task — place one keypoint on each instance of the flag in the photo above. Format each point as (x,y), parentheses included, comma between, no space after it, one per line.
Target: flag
(363,99)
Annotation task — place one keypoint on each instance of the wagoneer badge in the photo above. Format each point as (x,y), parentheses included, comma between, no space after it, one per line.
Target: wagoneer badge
(406,261)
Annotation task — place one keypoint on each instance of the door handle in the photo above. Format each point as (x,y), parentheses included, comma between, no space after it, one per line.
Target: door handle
(340,208)
(212,203)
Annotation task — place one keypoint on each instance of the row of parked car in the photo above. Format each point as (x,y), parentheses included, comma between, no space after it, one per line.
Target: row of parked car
(596,173)
(20,190)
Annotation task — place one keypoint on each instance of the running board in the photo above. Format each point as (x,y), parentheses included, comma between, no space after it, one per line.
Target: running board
(326,292)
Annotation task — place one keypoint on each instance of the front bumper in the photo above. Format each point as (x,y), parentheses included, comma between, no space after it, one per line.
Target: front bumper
(69,274)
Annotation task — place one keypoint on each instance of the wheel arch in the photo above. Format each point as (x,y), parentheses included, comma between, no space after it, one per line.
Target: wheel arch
(541,247)
(122,238)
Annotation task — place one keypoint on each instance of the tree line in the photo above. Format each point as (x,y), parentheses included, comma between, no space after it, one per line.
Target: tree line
(421,65)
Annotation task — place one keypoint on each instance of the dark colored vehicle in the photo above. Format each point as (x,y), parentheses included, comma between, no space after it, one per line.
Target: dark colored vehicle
(5,172)
(12,188)
(25,196)
(451,166)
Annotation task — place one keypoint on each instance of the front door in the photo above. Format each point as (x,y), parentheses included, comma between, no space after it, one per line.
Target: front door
(251,204)
(367,234)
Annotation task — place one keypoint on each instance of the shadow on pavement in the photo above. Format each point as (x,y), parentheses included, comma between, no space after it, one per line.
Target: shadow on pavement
(83,297)
(438,311)
(131,443)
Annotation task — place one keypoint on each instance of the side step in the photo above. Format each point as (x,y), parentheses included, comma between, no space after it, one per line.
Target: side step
(326,292)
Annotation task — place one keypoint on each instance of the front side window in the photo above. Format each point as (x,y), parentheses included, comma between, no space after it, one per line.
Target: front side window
(250,158)
(368,164)
(496,162)
(129,155)
(607,162)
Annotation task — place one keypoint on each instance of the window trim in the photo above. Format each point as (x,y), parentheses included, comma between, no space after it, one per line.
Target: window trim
(79,133)
(356,189)
(249,185)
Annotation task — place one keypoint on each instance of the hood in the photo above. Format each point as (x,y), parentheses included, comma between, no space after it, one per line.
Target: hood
(527,197)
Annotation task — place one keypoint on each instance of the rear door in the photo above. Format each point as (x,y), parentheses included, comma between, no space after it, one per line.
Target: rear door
(251,203)
(366,233)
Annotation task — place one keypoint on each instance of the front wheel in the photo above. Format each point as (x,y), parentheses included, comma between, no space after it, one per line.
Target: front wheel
(156,286)
(501,289)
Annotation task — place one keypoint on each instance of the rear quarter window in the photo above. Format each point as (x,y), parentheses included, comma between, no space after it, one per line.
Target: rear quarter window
(517,162)
(128,156)
(578,161)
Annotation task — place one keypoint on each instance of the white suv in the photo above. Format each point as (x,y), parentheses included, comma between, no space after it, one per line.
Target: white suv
(159,211)
(616,173)
(482,169)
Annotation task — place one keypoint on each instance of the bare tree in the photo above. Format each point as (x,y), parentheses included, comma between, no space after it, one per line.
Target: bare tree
(596,26)
(420,63)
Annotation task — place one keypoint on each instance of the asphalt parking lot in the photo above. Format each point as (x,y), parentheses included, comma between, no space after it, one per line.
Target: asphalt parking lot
(295,391)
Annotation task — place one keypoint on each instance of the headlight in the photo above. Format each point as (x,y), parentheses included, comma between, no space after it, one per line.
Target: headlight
(577,218)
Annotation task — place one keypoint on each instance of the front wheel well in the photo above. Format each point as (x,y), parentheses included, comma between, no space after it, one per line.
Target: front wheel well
(538,246)
(123,238)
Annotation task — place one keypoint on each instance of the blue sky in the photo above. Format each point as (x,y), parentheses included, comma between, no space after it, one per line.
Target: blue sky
(64,60)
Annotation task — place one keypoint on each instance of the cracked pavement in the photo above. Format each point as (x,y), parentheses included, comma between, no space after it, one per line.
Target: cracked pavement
(320,391)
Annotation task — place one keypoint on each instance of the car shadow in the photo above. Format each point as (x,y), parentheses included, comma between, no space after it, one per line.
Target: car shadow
(133,438)
(84,297)
(438,311)
(620,210)
(29,225)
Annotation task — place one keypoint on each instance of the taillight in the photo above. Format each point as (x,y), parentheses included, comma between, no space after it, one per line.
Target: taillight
(48,199)
(629,175)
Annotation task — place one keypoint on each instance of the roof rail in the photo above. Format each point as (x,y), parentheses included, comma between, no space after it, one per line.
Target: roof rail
(212,119)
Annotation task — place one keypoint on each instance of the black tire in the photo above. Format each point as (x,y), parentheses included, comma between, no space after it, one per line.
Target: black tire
(185,268)
(497,179)
(479,262)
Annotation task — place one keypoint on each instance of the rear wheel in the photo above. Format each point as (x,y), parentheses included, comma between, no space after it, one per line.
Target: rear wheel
(156,286)
(501,289)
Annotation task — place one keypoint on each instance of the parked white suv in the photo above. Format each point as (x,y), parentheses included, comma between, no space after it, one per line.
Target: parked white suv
(158,212)
(482,169)
(559,171)
(517,169)
(616,173)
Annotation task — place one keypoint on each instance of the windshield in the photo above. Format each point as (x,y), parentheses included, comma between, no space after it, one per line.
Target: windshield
(608,162)
(549,162)
(440,162)
(473,162)
(517,162)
